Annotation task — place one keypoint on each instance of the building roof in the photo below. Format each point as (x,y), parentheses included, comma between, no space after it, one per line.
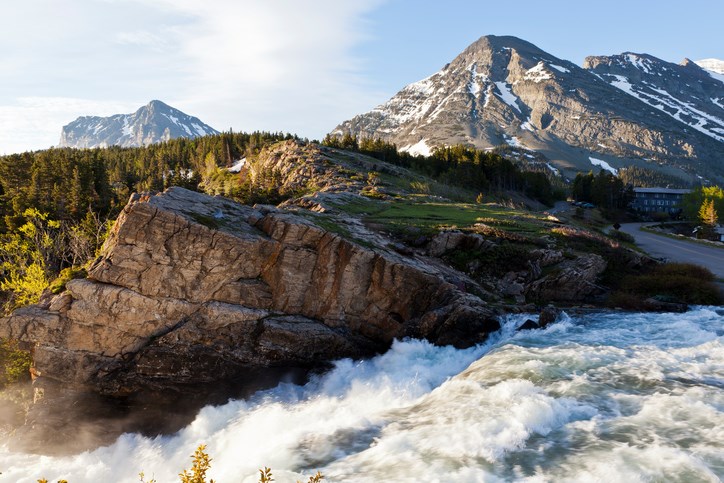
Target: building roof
(671,191)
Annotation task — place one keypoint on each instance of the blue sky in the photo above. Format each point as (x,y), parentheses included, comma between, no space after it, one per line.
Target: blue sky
(299,66)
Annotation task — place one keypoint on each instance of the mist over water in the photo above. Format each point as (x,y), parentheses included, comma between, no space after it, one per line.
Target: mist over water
(602,397)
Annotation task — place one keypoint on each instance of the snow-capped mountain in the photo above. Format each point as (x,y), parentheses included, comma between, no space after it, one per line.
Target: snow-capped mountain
(153,123)
(685,92)
(714,67)
(504,90)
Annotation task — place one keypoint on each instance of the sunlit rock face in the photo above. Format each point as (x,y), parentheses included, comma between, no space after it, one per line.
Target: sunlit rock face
(194,289)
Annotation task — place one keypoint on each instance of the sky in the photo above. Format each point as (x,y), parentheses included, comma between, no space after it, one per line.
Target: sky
(291,65)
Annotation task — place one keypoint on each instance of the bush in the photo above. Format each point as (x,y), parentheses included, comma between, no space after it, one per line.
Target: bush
(679,282)
(621,236)
(65,276)
(14,363)
(495,261)
(685,270)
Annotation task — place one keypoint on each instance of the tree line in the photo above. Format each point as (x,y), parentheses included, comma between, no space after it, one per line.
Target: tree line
(56,205)
(460,165)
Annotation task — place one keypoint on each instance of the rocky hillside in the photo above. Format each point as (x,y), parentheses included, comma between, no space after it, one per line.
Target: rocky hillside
(503,90)
(153,123)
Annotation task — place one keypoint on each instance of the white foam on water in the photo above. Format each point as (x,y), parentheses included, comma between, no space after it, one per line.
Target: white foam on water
(602,397)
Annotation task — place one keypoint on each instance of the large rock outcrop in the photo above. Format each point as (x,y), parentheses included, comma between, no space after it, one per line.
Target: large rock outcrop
(192,289)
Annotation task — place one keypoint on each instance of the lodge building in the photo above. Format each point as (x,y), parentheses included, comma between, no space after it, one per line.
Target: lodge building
(658,200)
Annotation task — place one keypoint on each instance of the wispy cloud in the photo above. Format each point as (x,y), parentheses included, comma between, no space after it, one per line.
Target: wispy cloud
(249,64)
(143,38)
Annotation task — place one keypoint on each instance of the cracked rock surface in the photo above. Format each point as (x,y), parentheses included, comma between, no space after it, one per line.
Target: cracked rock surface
(195,289)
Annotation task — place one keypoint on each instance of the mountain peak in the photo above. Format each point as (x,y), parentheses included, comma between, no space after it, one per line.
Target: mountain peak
(156,104)
(505,91)
(153,123)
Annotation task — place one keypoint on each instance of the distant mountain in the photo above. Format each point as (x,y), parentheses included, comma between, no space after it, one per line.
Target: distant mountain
(153,123)
(506,91)
(715,67)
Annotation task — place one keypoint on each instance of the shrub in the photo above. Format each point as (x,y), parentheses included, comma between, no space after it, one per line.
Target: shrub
(201,464)
(14,363)
(495,261)
(686,283)
(621,236)
(65,276)
(685,270)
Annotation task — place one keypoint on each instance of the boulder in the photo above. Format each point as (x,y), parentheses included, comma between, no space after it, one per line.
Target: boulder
(548,316)
(192,289)
(528,325)
(571,280)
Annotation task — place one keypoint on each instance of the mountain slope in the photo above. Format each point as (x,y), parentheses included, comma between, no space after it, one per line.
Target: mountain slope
(504,90)
(685,92)
(153,123)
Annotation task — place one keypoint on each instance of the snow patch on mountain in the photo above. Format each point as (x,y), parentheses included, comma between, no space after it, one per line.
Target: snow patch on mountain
(236,167)
(639,62)
(538,73)
(604,165)
(683,111)
(418,149)
(507,95)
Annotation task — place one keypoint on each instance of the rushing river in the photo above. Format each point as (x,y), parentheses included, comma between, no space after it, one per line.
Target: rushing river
(605,397)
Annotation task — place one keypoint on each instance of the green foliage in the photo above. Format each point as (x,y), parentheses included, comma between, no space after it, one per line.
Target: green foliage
(496,261)
(199,468)
(27,256)
(65,276)
(14,363)
(604,190)
(459,165)
(693,201)
(648,178)
(679,282)
(66,182)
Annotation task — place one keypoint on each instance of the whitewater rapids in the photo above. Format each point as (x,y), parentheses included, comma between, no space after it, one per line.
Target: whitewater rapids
(609,397)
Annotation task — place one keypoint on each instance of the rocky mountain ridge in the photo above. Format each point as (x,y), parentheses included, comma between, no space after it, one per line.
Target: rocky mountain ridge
(506,91)
(153,123)
(686,92)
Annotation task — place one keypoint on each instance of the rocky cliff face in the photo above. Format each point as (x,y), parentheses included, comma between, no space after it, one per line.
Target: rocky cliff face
(153,123)
(505,91)
(192,289)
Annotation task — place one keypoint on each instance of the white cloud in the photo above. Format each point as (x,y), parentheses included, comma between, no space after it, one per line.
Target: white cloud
(247,64)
